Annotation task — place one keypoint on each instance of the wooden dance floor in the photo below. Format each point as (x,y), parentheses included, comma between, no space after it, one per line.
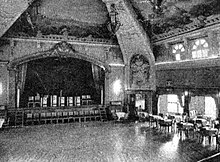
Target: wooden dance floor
(98,142)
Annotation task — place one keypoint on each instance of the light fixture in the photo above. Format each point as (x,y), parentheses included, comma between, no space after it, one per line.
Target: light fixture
(117,86)
(1,88)
(186,93)
(114,24)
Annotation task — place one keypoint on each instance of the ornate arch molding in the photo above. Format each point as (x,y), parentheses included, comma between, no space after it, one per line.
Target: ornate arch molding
(62,50)
(139,71)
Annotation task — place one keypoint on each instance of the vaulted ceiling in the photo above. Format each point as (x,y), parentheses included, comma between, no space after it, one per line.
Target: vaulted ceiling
(80,18)
(89,17)
(162,16)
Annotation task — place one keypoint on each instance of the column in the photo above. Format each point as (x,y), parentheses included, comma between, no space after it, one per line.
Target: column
(186,102)
(133,41)
(12,89)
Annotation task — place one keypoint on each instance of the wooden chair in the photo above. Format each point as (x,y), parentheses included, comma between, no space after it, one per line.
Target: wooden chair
(97,115)
(179,128)
(54,117)
(153,121)
(28,118)
(59,117)
(76,116)
(42,118)
(92,114)
(65,117)
(48,117)
(198,134)
(165,124)
(87,115)
(36,118)
(70,117)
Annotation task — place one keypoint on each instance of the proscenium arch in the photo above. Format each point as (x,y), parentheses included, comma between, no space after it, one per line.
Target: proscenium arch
(45,54)
(52,52)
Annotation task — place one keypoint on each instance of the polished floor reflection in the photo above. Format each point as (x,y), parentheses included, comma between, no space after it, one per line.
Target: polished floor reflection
(98,142)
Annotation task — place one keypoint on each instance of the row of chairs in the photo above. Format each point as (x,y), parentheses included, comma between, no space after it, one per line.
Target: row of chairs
(31,118)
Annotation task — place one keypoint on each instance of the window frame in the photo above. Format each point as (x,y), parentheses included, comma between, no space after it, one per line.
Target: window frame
(200,51)
(178,50)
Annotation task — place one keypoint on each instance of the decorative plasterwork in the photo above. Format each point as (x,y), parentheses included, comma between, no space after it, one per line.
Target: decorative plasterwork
(140,71)
(58,38)
(202,32)
(61,49)
(115,57)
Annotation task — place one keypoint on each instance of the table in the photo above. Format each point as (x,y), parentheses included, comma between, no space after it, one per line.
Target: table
(120,115)
(142,114)
(186,127)
(157,117)
(167,123)
(209,132)
(200,121)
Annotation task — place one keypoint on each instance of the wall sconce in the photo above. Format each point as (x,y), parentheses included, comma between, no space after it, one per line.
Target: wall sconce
(1,88)
(117,86)
(114,25)
(186,93)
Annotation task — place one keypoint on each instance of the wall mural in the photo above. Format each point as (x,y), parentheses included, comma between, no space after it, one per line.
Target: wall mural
(52,17)
(139,70)
(162,16)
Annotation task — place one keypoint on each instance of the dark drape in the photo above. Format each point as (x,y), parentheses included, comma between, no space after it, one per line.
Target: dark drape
(180,99)
(97,76)
(21,77)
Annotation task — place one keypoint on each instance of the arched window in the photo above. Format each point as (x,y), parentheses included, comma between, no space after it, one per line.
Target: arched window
(178,50)
(200,48)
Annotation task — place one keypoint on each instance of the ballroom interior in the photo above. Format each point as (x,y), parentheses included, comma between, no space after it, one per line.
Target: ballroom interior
(82,62)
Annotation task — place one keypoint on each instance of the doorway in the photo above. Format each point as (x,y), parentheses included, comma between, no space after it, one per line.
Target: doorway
(141,101)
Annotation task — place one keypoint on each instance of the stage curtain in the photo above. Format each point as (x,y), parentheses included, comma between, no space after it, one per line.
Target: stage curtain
(96,72)
(21,77)
(180,99)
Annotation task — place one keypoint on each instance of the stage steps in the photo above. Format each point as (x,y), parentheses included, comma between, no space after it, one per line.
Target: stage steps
(103,115)
(19,118)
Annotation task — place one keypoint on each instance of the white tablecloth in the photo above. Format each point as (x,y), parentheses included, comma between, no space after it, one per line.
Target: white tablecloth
(121,115)
(1,122)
